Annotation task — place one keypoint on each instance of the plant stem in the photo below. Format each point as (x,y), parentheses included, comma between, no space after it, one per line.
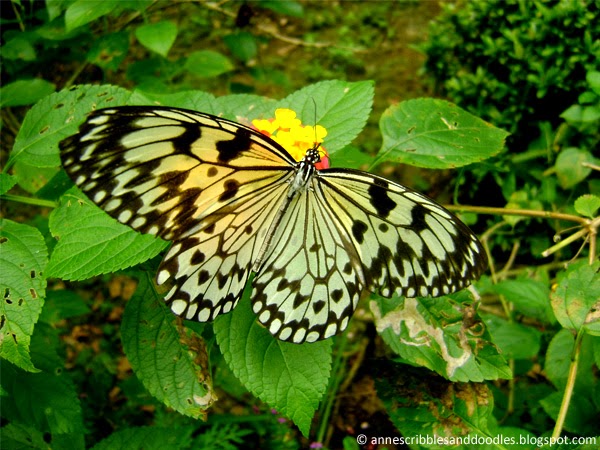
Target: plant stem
(29,200)
(518,212)
(564,407)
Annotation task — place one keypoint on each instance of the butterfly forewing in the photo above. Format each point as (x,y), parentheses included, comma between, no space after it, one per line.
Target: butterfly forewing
(162,170)
(232,201)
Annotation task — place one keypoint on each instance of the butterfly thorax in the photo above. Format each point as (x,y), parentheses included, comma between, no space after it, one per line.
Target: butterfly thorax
(305,170)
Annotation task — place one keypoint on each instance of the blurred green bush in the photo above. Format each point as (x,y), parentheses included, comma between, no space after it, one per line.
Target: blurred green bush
(514,62)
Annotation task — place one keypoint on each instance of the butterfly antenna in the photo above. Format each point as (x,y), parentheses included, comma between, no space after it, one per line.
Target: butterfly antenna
(317,144)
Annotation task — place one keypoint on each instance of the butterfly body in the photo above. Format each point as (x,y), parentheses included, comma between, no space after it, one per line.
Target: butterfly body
(233,202)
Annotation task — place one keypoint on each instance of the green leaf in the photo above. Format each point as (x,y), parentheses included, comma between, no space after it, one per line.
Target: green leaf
(569,167)
(82,12)
(593,79)
(32,179)
(242,45)
(208,64)
(558,358)
(436,134)
(157,37)
(169,360)
(19,436)
(515,340)
(243,107)
(341,107)
(57,116)
(432,333)
(582,415)
(91,243)
(581,419)
(109,51)
(19,47)
(23,257)
(6,183)
(353,157)
(194,100)
(25,92)
(147,438)
(587,205)
(291,378)
(576,297)
(46,400)
(529,297)
(62,305)
(288,7)
(423,405)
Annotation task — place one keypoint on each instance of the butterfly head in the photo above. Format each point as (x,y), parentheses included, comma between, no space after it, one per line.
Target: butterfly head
(313,156)
(302,142)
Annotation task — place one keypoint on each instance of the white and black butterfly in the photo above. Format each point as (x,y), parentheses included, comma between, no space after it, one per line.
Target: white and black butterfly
(234,201)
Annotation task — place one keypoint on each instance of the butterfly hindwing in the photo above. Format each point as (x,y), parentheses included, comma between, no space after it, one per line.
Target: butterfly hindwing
(307,287)
(408,245)
(210,268)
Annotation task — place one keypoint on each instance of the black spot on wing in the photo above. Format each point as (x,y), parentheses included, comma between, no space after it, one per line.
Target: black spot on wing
(418,218)
(197,258)
(337,295)
(232,148)
(209,229)
(359,229)
(183,143)
(203,277)
(318,306)
(380,200)
(230,189)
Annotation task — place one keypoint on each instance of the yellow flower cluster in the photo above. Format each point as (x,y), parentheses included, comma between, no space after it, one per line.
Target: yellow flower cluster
(287,130)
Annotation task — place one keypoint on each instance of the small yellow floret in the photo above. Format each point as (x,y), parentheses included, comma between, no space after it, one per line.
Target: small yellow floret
(286,118)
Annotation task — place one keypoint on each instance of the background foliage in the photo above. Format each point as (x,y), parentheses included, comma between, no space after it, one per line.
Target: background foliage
(102,363)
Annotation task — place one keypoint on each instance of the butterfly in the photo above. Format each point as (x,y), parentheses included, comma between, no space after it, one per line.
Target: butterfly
(233,201)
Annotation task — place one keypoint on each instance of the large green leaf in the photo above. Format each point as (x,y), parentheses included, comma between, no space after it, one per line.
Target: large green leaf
(436,134)
(82,12)
(529,296)
(208,63)
(158,37)
(23,258)
(289,377)
(25,92)
(6,182)
(47,400)
(576,299)
(434,333)
(169,360)
(515,340)
(341,107)
(57,116)
(91,243)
